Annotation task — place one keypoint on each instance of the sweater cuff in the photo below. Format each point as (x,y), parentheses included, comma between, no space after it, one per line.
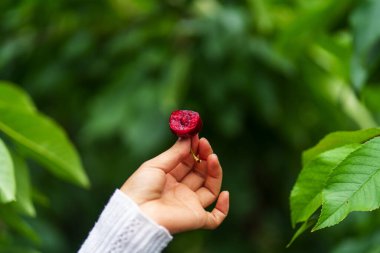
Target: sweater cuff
(123,228)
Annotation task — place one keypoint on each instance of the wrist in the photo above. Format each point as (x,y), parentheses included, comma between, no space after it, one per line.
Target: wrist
(146,208)
(157,216)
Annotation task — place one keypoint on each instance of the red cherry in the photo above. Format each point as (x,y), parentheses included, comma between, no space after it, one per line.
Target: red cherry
(185,123)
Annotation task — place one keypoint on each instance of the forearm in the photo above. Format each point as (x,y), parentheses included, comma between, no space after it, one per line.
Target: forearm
(123,228)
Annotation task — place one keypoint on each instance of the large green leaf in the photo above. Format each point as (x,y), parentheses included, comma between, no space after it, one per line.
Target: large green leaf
(13,96)
(7,177)
(306,196)
(42,139)
(23,185)
(353,185)
(338,139)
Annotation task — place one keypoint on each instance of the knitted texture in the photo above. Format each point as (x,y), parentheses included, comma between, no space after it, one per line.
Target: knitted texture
(123,228)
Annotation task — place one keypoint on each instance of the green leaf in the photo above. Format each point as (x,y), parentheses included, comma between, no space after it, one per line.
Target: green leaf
(13,96)
(352,186)
(306,196)
(42,139)
(18,224)
(7,177)
(337,139)
(366,31)
(23,185)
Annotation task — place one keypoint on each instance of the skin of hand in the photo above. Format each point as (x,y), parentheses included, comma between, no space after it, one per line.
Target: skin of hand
(173,190)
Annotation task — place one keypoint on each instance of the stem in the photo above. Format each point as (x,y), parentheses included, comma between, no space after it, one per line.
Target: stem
(196,158)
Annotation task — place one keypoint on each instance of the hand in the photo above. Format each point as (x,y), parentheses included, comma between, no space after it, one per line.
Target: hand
(174,190)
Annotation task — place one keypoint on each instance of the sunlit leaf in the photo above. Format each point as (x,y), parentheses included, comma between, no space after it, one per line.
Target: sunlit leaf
(15,97)
(45,141)
(23,185)
(7,177)
(337,139)
(353,185)
(306,196)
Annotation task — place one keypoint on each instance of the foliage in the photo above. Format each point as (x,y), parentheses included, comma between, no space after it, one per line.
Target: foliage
(342,176)
(25,133)
(269,78)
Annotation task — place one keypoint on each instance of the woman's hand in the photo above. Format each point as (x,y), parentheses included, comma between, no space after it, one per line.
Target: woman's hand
(174,190)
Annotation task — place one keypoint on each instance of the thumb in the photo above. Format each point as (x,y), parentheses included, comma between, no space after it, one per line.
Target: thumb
(169,159)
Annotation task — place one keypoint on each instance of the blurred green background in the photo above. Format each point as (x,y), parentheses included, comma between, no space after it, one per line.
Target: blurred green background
(269,78)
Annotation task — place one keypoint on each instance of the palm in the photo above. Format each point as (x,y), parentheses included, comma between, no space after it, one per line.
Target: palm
(178,208)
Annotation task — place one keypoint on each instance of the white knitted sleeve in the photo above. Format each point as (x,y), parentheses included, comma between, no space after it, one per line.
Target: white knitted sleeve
(123,228)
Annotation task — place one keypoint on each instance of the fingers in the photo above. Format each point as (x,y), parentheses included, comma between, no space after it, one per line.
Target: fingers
(219,213)
(187,164)
(196,178)
(211,188)
(172,157)
(184,168)
(205,149)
